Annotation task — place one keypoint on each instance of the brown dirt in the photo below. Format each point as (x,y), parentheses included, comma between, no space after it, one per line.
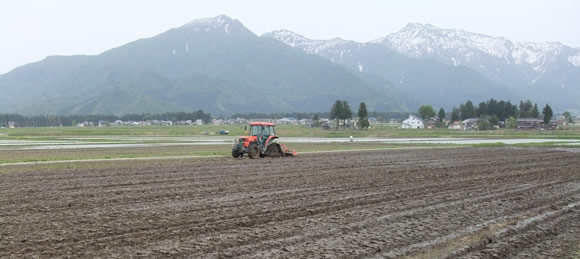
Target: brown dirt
(467,202)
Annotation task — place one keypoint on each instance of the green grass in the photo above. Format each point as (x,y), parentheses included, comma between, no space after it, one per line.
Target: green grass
(496,144)
(17,156)
(385,130)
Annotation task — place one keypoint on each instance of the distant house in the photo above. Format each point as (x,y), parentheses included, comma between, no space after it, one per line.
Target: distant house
(287,120)
(11,124)
(456,125)
(558,123)
(264,120)
(470,124)
(432,123)
(217,122)
(307,122)
(529,123)
(413,122)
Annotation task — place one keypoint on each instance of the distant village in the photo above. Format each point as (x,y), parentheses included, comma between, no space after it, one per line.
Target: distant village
(412,122)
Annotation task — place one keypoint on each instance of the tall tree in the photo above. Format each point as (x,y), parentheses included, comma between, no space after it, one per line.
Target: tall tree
(526,109)
(468,111)
(336,112)
(363,116)
(535,112)
(426,112)
(441,114)
(568,117)
(493,120)
(492,107)
(455,114)
(511,123)
(316,120)
(346,112)
(482,109)
(547,111)
(509,110)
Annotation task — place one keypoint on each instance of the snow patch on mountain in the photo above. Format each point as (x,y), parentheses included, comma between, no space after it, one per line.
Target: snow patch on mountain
(222,23)
(455,63)
(423,40)
(419,40)
(461,47)
(574,60)
(215,22)
(496,58)
(307,45)
(537,77)
(402,80)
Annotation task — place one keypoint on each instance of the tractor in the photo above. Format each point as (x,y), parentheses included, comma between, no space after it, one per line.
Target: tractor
(261,142)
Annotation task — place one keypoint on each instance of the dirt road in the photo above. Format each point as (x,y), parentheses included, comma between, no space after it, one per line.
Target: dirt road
(466,202)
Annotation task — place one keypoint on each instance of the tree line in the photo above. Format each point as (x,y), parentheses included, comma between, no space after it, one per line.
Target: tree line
(380,116)
(492,111)
(341,112)
(502,110)
(72,120)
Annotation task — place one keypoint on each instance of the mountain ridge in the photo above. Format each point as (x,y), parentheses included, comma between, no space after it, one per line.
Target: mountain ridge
(214,64)
(545,71)
(219,65)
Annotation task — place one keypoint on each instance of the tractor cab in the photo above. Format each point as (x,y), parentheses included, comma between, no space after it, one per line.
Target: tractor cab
(262,131)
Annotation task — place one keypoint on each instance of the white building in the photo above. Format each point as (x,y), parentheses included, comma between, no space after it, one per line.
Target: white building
(470,124)
(413,122)
(454,125)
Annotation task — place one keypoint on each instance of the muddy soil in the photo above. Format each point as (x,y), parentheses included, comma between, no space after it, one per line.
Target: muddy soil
(466,202)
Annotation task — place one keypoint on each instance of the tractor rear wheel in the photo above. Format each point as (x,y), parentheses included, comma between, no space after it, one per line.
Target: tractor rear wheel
(274,150)
(253,152)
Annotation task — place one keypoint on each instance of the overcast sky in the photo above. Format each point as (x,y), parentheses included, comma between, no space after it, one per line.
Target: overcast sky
(31,30)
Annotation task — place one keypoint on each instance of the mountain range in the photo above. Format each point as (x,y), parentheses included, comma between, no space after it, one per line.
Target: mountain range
(218,65)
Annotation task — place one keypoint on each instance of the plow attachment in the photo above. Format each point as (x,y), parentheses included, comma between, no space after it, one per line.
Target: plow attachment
(287,151)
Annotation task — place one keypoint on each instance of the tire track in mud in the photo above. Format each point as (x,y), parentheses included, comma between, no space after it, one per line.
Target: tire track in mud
(514,240)
(287,207)
(326,236)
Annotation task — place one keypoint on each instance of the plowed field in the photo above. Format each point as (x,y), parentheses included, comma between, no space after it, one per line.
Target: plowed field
(465,202)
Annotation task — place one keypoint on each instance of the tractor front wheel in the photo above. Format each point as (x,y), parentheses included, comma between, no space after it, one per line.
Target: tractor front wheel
(253,152)
(235,154)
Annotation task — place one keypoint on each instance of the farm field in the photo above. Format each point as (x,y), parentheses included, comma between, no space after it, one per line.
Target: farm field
(417,203)
(28,145)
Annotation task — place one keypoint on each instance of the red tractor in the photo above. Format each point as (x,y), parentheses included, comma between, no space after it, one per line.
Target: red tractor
(261,142)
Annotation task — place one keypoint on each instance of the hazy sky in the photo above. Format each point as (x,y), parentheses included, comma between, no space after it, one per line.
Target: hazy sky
(31,30)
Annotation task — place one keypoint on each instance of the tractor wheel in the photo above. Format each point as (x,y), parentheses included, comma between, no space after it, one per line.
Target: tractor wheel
(235,154)
(274,151)
(253,152)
